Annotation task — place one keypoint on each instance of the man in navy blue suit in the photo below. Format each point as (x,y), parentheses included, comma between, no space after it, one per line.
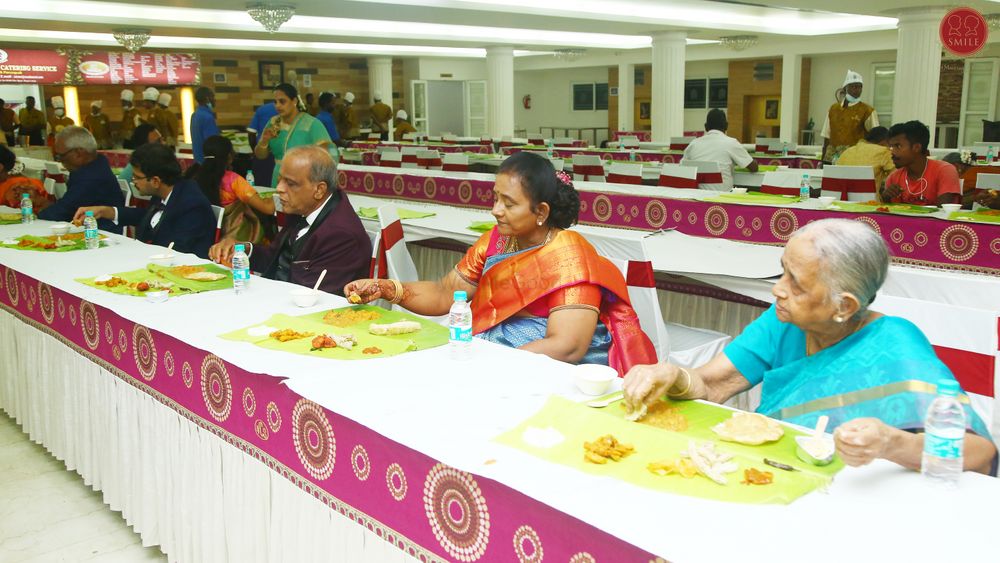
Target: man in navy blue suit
(178,212)
(91,181)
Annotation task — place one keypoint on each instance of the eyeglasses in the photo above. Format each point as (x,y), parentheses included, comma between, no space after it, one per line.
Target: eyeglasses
(138,177)
(58,156)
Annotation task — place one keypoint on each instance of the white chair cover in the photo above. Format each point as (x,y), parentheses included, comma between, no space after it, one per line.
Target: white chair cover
(858,182)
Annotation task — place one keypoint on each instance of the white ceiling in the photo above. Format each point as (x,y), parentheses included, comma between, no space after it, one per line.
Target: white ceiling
(442,27)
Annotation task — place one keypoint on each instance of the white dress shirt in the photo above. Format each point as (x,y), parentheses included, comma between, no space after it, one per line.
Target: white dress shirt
(311,218)
(716,146)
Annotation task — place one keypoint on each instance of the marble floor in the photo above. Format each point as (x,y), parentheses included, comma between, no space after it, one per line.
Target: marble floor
(48,515)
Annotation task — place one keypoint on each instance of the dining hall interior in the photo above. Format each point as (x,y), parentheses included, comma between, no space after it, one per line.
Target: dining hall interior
(471,280)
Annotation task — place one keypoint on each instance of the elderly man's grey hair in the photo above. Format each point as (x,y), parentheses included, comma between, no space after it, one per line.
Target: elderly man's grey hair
(853,258)
(323,168)
(74,137)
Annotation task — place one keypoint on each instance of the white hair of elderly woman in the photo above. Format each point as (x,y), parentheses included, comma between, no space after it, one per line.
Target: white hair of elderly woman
(854,258)
(75,137)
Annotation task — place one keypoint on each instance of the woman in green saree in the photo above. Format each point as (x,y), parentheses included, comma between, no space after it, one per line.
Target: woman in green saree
(292,127)
(819,351)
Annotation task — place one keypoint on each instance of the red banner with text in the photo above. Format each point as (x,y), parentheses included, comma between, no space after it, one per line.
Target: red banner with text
(72,67)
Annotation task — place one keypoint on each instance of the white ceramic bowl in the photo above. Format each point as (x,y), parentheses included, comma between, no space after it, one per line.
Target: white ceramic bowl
(950,208)
(157,296)
(60,228)
(593,379)
(164,259)
(805,450)
(824,201)
(739,190)
(304,297)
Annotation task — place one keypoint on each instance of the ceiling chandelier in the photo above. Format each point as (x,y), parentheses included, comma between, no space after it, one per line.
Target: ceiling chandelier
(271,16)
(568,55)
(992,20)
(738,42)
(132,39)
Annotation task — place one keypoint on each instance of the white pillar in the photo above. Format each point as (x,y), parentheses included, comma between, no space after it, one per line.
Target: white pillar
(380,80)
(791,80)
(918,68)
(626,97)
(667,111)
(500,91)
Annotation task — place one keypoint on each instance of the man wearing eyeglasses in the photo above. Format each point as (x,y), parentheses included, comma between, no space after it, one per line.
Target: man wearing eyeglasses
(178,212)
(91,181)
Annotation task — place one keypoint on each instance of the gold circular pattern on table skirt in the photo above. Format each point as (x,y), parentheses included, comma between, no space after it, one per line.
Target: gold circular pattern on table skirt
(12,287)
(314,440)
(368,182)
(656,213)
(109,333)
(457,512)
(398,185)
(465,191)
(116,352)
(678,215)
(582,557)
(716,220)
(906,247)
(46,302)
(273,416)
(261,429)
(747,232)
(249,402)
(740,222)
(144,352)
(90,325)
(756,224)
(920,239)
(61,306)
(896,235)
(692,217)
(783,224)
(583,206)
(216,388)
(187,375)
(32,296)
(620,209)
(527,545)
(72,316)
(959,242)
(995,246)
(430,187)
(395,480)
(342,179)
(601,207)
(871,223)
(360,463)
(122,340)
(168,363)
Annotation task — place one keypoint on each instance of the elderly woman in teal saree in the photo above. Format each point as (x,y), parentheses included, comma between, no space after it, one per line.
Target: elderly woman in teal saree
(819,351)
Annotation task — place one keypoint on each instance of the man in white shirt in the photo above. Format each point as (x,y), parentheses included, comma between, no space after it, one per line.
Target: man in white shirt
(716,146)
(848,120)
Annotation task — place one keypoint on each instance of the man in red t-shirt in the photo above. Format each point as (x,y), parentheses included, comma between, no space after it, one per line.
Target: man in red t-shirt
(918,179)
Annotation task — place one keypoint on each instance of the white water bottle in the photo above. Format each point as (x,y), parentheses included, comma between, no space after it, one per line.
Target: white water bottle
(91,237)
(944,436)
(548,149)
(250,178)
(27,208)
(784,149)
(460,327)
(989,155)
(241,269)
(804,187)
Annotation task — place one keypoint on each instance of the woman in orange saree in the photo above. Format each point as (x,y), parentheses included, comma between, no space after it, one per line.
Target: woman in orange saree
(13,184)
(534,284)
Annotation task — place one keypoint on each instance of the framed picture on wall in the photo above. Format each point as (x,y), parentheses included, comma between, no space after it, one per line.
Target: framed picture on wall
(770,109)
(270,74)
(219,77)
(644,108)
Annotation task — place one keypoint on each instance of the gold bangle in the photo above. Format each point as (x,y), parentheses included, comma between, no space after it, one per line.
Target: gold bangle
(398,292)
(687,388)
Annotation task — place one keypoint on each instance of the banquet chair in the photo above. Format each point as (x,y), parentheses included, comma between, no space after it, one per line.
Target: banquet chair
(449,139)
(506,141)
(486,140)
(409,157)
(50,186)
(219,212)
(642,293)
(410,136)
(563,142)
(393,258)
(762,144)
(391,159)
(429,159)
(777,146)
(849,183)
(126,191)
(709,174)
(628,142)
(455,162)
(375,137)
(588,168)
(536,139)
(781,183)
(386,148)
(693,347)
(680,143)
(678,176)
(55,171)
(988,181)
(621,173)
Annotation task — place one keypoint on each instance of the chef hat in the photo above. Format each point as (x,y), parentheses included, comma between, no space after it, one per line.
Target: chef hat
(164,99)
(57,102)
(378,96)
(96,104)
(349,97)
(128,95)
(150,94)
(852,77)
(401,114)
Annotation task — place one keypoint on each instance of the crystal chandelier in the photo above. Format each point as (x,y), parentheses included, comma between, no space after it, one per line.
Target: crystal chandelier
(738,42)
(271,16)
(992,20)
(568,55)
(132,39)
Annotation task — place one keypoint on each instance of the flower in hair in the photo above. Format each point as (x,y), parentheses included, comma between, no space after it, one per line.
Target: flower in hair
(564,178)
(18,168)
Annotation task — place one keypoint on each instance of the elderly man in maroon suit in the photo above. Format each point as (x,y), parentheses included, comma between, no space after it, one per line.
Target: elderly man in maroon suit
(324,232)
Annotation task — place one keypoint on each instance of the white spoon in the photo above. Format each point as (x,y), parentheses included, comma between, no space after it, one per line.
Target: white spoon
(601,403)
(320,280)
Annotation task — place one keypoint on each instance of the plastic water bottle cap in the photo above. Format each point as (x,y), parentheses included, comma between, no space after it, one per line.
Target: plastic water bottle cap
(948,387)
(239,248)
(460,296)
(25,195)
(88,214)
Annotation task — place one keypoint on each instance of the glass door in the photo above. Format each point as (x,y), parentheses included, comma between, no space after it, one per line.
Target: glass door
(418,91)
(979,98)
(884,84)
(475,108)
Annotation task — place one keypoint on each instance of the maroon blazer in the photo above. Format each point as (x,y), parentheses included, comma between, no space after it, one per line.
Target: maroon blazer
(337,242)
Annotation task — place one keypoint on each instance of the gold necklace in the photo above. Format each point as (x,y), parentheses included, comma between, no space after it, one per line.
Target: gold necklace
(514,247)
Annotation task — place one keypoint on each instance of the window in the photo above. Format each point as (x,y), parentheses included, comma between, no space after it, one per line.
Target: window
(695,93)
(590,96)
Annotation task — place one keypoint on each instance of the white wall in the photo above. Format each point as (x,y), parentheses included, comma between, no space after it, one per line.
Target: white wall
(445,107)
(827,75)
(458,69)
(552,97)
(694,119)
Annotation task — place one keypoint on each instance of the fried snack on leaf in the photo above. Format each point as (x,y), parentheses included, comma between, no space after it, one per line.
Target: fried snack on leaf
(754,476)
(604,448)
(286,334)
(400,327)
(749,428)
(710,463)
(681,466)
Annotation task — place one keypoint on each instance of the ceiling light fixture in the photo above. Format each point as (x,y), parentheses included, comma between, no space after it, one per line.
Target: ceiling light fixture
(992,20)
(132,39)
(738,42)
(271,16)
(568,55)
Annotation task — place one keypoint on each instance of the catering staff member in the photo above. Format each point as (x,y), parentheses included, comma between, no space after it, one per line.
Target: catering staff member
(32,123)
(848,120)
(402,126)
(130,118)
(59,120)
(343,115)
(8,123)
(381,114)
(166,121)
(98,125)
